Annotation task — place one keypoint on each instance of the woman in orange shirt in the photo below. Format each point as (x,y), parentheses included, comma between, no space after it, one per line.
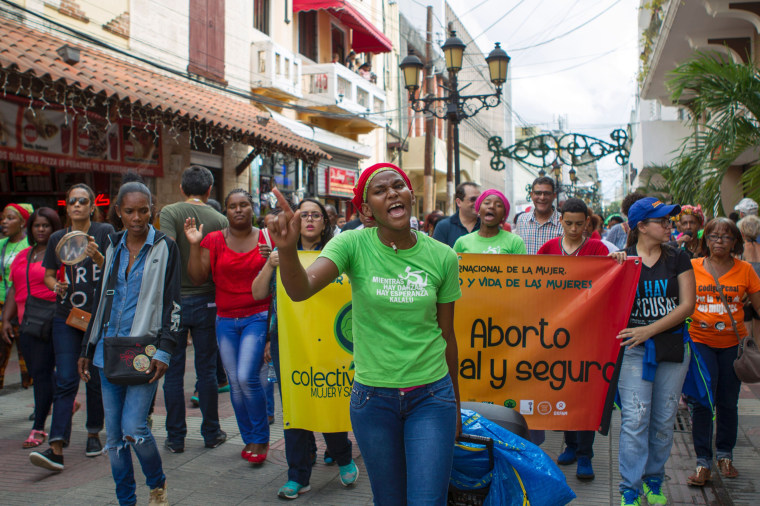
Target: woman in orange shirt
(716,335)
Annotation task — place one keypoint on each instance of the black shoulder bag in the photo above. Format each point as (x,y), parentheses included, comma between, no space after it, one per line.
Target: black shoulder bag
(38,313)
(125,359)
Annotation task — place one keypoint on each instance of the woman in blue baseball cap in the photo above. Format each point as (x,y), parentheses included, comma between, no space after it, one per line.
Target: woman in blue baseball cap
(655,360)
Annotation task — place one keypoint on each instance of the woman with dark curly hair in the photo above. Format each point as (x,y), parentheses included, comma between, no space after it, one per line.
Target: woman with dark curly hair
(233,257)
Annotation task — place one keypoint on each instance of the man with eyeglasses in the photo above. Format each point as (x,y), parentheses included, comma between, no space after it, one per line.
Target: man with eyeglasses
(465,220)
(542,223)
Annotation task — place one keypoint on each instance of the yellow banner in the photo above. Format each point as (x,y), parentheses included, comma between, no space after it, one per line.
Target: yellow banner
(316,356)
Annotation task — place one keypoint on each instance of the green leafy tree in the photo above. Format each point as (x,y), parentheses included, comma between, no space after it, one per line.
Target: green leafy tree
(724,99)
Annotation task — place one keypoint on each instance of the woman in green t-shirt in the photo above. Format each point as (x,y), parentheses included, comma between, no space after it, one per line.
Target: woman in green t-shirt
(405,398)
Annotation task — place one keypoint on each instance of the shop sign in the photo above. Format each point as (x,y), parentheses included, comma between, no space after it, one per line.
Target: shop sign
(340,182)
(73,139)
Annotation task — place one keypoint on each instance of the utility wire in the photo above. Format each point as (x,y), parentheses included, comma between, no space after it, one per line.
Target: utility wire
(567,32)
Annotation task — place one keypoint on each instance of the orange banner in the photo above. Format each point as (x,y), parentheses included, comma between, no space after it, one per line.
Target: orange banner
(537,333)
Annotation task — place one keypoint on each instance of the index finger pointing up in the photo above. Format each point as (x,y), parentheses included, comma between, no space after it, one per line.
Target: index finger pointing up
(283,203)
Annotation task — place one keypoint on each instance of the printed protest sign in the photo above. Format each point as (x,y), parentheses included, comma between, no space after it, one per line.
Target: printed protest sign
(537,333)
(316,356)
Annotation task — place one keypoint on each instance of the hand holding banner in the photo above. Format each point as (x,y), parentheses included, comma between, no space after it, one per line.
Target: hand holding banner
(537,333)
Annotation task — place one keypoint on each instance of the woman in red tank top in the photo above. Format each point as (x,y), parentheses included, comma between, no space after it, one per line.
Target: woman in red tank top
(233,258)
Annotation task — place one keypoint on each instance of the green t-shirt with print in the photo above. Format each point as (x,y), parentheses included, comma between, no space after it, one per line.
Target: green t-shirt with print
(397,340)
(8,251)
(503,243)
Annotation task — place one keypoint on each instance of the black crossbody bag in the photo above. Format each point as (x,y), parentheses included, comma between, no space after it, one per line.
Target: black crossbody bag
(125,359)
(38,313)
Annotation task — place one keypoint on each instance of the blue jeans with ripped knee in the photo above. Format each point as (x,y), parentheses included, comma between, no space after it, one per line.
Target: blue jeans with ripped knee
(126,409)
(648,413)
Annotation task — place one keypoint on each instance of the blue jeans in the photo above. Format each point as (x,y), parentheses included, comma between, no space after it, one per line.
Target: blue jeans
(725,390)
(300,444)
(241,344)
(407,440)
(40,361)
(67,344)
(197,318)
(648,415)
(126,409)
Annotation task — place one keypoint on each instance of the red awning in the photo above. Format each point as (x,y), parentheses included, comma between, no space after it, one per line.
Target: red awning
(366,37)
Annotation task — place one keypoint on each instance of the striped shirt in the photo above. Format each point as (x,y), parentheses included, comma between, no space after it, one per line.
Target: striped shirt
(534,234)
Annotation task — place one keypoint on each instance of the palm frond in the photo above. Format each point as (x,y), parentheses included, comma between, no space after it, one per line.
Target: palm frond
(724,98)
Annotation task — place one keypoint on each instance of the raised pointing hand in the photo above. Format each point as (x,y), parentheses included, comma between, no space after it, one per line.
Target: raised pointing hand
(285,228)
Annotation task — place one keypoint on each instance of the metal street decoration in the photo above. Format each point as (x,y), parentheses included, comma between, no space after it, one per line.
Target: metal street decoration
(572,149)
(455,106)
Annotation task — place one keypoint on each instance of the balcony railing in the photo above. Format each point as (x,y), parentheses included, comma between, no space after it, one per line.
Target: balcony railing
(274,67)
(334,84)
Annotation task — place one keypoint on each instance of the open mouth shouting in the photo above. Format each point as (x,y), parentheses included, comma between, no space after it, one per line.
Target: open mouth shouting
(396,210)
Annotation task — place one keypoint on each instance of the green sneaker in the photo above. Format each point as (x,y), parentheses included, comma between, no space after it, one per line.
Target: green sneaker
(653,491)
(291,490)
(630,498)
(349,474)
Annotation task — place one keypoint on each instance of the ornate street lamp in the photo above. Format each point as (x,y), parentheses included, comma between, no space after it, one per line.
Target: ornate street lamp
(455,107)
(498,62)
(453,52)
(411,66)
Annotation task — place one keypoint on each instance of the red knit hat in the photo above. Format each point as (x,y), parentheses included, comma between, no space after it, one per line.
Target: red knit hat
(360,190)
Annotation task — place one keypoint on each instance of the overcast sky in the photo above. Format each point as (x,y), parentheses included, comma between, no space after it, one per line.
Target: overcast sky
(587,73)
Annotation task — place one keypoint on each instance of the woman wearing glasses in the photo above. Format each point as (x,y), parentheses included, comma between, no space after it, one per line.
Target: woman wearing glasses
(299,443)
(716,334)
(74,286)
(655,360)
(233,257)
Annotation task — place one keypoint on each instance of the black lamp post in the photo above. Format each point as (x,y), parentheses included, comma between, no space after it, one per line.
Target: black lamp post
(455,107)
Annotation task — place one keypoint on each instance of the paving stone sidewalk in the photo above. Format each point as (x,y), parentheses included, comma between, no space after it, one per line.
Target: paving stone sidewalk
(220,477)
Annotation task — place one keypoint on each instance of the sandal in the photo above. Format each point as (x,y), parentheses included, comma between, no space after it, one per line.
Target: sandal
(32,441)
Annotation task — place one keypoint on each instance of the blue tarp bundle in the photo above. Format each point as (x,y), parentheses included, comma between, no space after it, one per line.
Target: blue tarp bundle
(523,474)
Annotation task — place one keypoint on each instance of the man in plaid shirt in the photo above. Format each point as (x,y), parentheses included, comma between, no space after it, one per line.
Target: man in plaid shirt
(542,223)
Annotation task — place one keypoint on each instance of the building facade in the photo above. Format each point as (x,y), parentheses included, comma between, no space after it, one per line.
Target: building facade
(674,31)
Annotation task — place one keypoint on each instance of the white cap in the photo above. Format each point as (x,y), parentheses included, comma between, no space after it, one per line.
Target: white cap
(746,206)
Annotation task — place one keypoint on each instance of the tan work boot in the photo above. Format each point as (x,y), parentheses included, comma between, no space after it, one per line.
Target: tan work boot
(727,469)
(158,496)
(699,478)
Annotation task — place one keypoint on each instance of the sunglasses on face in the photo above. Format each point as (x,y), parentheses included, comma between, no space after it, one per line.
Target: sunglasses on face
(83,201)
(543,194)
